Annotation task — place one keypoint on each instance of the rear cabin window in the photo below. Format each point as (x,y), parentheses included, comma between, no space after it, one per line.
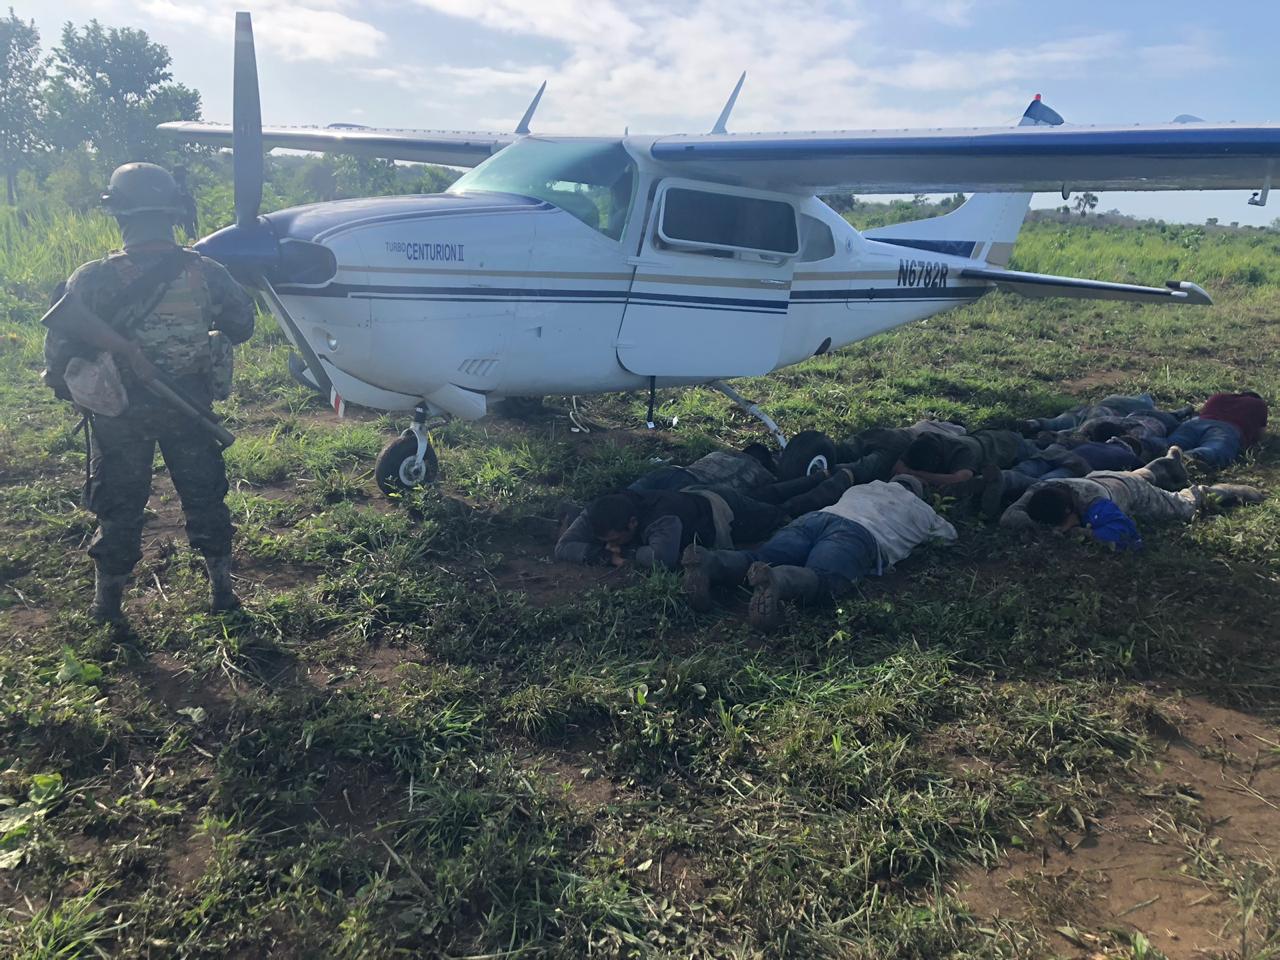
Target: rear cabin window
(816,240)
(725,220)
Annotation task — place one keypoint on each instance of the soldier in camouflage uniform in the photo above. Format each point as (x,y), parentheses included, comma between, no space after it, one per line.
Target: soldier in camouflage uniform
(185,328)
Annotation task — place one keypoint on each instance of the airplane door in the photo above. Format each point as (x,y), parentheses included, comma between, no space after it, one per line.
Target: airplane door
(712,284)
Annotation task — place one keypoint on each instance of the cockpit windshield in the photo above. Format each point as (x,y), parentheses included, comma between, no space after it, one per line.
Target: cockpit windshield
(591,179)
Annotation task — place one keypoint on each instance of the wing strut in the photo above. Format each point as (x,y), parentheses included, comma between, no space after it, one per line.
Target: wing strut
(523,125)
(728,107)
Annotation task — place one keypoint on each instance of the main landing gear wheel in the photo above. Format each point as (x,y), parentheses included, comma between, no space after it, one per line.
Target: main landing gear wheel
(398,468)
(807,453)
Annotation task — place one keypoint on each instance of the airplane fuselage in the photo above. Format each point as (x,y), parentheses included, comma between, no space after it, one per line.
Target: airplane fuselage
(465,297)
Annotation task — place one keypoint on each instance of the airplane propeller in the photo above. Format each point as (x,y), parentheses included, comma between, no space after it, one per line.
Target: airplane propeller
(246,126)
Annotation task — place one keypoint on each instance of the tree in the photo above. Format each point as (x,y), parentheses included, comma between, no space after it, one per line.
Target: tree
(111,87)
(362,176)
(1086,202)
(22,75)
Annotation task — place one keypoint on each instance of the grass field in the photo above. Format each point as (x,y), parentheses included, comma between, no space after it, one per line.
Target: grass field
(421,738)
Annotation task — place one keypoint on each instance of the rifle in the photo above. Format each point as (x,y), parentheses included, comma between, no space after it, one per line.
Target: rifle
(73,319)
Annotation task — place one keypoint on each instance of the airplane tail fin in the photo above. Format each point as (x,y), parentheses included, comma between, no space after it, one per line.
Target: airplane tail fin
(984,227)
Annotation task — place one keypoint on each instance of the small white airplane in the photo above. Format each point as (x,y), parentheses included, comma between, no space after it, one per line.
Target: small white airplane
(579,265)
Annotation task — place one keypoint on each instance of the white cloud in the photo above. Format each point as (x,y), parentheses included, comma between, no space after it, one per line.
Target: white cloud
(317,30)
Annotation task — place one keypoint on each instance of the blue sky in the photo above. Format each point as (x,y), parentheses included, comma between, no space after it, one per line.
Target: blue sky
(662,66)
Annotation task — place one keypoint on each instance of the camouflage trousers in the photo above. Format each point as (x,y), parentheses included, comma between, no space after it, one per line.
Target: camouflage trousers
(120,464)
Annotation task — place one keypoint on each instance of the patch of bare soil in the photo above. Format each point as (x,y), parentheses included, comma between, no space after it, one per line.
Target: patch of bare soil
(1133,870)
(186,859)
(1087,386)
(170,683)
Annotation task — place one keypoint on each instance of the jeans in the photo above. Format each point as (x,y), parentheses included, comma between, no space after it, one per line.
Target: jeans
(1110,406)
(839,551)
(664,479)
(1214,443)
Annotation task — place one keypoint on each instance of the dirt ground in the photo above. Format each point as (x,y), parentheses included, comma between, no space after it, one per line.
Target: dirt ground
(1148,865)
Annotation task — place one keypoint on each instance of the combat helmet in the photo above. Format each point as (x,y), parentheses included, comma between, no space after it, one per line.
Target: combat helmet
(142,187)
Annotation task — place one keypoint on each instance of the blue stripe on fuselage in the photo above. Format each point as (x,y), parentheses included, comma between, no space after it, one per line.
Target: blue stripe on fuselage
(533,295)
(955,248)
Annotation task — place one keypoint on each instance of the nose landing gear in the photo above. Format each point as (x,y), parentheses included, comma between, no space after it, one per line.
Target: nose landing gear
(408,461)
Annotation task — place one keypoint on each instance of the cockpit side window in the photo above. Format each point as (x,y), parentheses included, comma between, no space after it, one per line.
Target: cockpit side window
(591,180)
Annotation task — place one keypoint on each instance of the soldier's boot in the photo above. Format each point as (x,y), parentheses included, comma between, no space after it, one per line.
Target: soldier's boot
(772,586)
(704,569)
(1228,495)
(1168,472)
(108,593)
(222,594)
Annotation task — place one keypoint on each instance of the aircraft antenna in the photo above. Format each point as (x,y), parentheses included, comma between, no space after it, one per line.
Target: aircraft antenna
(728,107)
(523,125)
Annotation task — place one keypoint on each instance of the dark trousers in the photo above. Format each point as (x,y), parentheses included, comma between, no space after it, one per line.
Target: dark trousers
(120,462)
(753,520)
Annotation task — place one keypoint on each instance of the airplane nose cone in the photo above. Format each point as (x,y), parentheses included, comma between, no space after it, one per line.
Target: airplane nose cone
(254,250)
(246,250)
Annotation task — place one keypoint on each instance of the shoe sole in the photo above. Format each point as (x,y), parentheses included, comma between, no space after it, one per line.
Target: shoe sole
(765,610)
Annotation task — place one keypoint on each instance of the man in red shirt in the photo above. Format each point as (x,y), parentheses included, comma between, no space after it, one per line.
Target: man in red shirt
(1228,424)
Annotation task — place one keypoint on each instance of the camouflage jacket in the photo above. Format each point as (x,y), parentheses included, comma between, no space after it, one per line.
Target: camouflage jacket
(175,331)
(730,468)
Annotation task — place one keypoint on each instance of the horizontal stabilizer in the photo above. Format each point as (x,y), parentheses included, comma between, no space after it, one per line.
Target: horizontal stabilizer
(1046,285)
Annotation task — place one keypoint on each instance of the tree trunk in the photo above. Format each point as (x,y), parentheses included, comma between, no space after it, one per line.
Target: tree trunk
(11,185)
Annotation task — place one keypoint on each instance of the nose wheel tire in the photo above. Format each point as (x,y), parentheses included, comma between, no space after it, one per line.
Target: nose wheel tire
(398,468)
(808,452)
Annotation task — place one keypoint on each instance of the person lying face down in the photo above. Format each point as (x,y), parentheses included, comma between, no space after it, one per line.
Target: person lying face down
(652,527)
(821,554)
(743,470)
(1227,425)
(873,453)
(942,461)
(1109,408)
(999,487)
(1106,503)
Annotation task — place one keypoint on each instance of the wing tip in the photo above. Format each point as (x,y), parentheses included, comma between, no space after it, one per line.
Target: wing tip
(1192,293)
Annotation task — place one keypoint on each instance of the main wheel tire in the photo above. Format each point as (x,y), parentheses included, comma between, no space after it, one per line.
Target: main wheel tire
(395,470)
(806,453)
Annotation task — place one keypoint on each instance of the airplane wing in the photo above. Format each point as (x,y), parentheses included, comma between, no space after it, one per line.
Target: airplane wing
(1179,156)
(455,148)
(1047,285)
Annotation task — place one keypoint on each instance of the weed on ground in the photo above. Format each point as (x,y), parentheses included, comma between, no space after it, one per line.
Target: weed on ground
(422,738)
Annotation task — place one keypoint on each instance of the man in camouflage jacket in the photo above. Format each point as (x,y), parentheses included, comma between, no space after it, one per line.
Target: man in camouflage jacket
(182,326)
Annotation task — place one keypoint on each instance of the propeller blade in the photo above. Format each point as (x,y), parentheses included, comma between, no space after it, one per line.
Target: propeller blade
(246,126)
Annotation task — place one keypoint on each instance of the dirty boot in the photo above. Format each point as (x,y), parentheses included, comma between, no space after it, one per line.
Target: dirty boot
(222,595)
(704,569)
(108,592)
(773,585)
(1167,472)
(1228,495)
